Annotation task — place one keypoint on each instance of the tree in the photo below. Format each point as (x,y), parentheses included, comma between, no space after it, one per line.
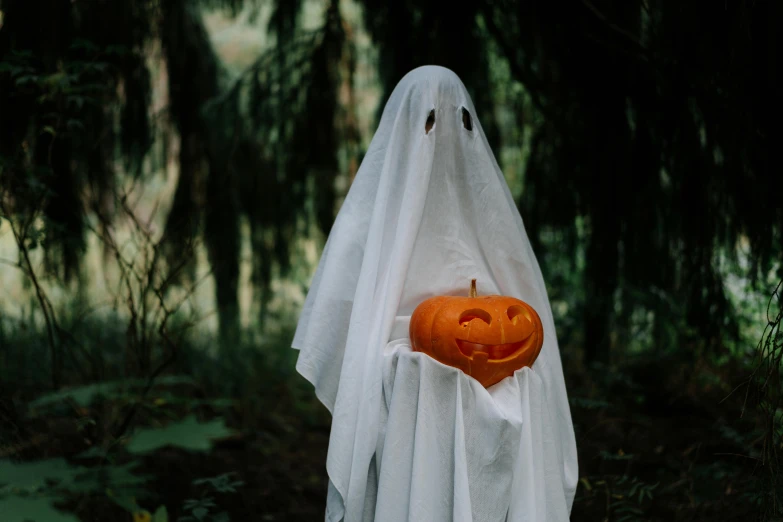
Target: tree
(649,126)
(68,99)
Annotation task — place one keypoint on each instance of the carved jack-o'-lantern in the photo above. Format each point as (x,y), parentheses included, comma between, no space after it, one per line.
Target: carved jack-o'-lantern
(488,337)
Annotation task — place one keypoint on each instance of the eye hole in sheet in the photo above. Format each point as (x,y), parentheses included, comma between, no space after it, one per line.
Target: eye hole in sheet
(430,122)
(467,122)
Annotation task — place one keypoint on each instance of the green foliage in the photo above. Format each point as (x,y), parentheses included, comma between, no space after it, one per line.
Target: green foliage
(187,434)
(221,484)
(764,392)
(87,395)
(139,515)
(32,509)
(57,476)
(30,490)
(120,466)
(160,515)
(203,509)
(626,496)
(35,475)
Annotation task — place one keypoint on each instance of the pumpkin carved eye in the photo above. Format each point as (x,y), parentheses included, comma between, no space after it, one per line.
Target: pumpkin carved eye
(515,312)
(468,315)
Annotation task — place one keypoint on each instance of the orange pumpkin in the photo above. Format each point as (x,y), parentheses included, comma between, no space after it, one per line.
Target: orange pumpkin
(488,337)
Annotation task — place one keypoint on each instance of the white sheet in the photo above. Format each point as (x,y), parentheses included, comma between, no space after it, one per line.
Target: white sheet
(426,213)
(453,450)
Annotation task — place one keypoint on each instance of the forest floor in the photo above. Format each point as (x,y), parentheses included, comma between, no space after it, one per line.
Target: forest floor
(655,443)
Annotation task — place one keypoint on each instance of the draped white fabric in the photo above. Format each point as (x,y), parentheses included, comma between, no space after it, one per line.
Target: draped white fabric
(428,212)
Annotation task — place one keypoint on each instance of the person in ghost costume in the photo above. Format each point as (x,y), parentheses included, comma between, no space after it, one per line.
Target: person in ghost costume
(411,438)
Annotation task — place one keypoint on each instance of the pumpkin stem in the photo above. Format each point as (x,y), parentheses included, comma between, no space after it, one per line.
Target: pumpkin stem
(473,292)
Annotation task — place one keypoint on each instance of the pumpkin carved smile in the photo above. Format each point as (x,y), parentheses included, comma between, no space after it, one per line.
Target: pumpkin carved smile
(488,337)
(492,352)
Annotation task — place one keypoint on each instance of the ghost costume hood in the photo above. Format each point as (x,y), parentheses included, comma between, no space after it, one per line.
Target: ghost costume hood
(412,439)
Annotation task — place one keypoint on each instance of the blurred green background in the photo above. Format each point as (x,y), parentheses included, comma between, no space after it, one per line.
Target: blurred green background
(169,171)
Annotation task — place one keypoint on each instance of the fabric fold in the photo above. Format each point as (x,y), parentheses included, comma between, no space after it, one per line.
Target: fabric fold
(453,450)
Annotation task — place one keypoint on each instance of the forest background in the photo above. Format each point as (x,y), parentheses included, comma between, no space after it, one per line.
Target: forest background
(169,171)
